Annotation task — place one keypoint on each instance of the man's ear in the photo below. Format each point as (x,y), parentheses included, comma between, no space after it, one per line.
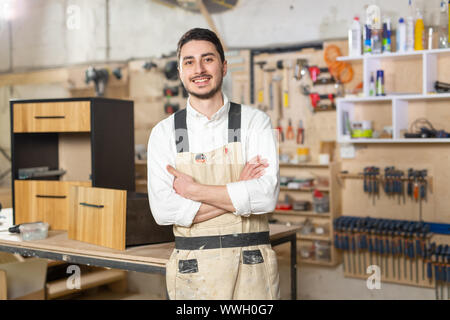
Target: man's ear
(224,68)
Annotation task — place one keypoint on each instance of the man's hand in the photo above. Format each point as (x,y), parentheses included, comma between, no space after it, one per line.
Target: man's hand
(254,169)
(183,184)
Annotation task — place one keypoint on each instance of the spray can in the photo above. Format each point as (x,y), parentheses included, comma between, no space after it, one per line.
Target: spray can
(380,83)
(443,25)
(401,35)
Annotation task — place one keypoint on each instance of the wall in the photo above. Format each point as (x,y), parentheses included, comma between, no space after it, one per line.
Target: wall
(37,37)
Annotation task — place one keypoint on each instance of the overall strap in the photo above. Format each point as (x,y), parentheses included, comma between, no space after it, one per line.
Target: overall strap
(234,123)
(181,134)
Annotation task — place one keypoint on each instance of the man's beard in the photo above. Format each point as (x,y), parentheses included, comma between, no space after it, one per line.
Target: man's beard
(207,95)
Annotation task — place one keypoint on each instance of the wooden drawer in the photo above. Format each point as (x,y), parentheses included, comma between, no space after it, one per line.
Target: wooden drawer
(98,216)
(48,201)
(70,116)
(113,218)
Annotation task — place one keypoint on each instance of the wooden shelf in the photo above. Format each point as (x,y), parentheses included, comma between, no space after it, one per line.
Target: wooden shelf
(303,165)
(58,288)
(305,189)
(303,213)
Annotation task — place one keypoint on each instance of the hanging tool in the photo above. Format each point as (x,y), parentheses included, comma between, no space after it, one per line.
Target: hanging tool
(268,77)
(100,78)
(316,98)
(300,133)
(315,72)
(290,131)
(285,66)
(260,83)
(280,130)
(301,68)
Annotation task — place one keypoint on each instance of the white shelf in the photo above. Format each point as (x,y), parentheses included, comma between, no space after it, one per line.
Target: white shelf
(399,103)
(388,55)
(401,140)
(417,97)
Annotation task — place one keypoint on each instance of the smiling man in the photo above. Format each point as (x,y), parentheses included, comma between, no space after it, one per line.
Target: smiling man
(213,174)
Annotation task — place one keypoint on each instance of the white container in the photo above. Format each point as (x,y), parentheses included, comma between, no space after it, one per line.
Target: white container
(401,35)
(354,38)
(324,158)
(409,34)
(34,231)
(443,25)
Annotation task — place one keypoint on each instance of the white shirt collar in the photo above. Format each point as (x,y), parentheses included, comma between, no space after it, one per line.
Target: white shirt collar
(222,112)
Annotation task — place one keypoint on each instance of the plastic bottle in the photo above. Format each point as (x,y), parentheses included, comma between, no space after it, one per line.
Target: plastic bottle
(409,34)
(367,39)
(410,28)
(419,32)
(372,85)
(401,35)
(354,38)
(387,35)
(443,25)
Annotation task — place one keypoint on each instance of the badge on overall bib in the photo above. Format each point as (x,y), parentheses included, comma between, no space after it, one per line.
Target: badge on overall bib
(200,158)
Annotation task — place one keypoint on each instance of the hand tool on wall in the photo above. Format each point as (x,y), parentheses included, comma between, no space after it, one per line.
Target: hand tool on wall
(260,85)
(301,68)
(443,269)
(280,130)
(316,100)
(276,79)
(314,73)
(268,86)
(290,131)
(431,248)
(300,133)
(285,66)
(99,77)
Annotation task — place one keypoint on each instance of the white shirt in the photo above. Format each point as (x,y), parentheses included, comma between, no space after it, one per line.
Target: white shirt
(255,196)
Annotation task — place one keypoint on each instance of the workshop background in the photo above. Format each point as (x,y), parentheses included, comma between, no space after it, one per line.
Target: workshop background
(282,59)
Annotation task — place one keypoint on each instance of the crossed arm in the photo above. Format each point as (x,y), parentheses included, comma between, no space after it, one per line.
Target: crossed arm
(215,199)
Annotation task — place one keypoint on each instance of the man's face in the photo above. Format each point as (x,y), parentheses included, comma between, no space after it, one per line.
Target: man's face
(201,69)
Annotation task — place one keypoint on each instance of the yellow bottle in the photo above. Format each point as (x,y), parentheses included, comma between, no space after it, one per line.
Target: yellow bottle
(419,32)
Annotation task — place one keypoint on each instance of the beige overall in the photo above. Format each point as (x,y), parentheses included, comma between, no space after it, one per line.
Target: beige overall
(237,272)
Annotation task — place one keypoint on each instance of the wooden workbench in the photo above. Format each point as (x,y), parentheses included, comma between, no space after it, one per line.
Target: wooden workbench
(146,258)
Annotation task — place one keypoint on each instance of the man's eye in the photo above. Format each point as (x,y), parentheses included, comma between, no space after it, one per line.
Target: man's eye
(208,59)
(188,62)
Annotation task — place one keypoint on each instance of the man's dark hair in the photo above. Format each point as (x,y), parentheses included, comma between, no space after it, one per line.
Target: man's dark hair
(201,34)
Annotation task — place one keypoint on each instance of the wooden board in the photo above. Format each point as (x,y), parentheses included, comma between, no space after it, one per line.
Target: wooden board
(74,154)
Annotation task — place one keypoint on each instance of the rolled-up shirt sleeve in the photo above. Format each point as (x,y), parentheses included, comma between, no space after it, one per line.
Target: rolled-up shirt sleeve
(166,205)
(258,196)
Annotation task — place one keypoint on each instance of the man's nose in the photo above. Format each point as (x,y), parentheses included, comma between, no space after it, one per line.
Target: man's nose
(199,67)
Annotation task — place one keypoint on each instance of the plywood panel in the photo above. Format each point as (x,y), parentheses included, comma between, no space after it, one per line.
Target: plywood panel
(433,157)
(74,153)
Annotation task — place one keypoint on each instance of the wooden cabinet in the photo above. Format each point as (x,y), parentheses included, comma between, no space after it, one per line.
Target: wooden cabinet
(91,139)
(309,242)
